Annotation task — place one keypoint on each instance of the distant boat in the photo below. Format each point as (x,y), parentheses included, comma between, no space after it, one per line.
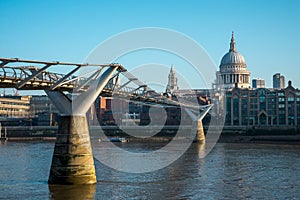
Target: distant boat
(115,139)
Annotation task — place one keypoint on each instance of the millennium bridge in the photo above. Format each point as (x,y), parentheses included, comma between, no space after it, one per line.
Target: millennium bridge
(73,95)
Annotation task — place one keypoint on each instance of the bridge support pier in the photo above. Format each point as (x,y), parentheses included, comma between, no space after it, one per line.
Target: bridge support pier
(197,124)
(200,137)
(72,161)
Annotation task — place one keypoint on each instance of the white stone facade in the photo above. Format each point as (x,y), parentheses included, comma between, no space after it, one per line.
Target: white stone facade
(233,70)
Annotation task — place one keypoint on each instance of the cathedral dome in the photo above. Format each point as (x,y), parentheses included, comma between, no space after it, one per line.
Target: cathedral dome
(233,70)
(232,57)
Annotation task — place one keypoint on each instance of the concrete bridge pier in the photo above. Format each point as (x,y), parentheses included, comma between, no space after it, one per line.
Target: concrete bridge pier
(197,124)
(200,136)
(72,161)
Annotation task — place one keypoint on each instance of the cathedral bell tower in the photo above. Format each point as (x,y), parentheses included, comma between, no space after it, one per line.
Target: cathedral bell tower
(172,81)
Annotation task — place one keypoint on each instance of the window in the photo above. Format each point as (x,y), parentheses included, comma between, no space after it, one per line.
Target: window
(281,99)
(228,94)
(272,106)
(271,100)
(272,112)
(253,94)
(253,100)
(244,94)
(291,98)
(272,94)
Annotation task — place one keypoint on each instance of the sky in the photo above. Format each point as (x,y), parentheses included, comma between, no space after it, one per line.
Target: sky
(267,33)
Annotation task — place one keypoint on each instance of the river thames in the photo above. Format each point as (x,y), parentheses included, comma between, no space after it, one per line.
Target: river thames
(229,171)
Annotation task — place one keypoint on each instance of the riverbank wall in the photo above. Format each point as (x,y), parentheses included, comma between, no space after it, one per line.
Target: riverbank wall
(229,133)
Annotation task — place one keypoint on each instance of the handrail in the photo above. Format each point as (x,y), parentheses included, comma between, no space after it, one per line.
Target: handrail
(36,78)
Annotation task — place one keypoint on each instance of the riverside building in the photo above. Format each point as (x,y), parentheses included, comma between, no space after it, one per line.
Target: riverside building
(14,106)
(263,107)
(257,106)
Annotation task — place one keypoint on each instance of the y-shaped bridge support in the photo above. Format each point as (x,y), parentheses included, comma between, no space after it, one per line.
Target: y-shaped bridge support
(197,123)
(72,161)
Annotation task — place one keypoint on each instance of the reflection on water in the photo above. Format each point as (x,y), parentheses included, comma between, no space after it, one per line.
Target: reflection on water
(74,192)
(230,171)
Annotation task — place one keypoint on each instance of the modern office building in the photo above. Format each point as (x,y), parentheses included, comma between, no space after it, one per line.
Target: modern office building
(278,81)
(43,111)
(258,83)
(14,106)
(41,104)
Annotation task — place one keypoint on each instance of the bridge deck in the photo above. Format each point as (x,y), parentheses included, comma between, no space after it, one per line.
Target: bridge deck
(33,75)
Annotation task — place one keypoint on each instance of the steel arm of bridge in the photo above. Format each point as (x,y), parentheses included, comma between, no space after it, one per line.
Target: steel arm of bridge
(33,75)
(82,103)
(60,81)
(61,101)
(122,86)
(95,74)
(201,115)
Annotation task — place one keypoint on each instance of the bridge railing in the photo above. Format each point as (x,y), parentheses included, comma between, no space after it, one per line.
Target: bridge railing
(17,74)
(33,77)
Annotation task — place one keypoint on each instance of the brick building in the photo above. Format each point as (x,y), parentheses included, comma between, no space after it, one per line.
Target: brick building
(264,107)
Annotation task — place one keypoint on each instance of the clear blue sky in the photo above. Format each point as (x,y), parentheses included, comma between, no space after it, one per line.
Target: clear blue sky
(267,32)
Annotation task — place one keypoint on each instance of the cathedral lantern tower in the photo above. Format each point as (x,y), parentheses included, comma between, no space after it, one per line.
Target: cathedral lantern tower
(233,70)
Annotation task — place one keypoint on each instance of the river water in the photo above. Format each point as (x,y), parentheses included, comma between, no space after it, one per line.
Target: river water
(229,171)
